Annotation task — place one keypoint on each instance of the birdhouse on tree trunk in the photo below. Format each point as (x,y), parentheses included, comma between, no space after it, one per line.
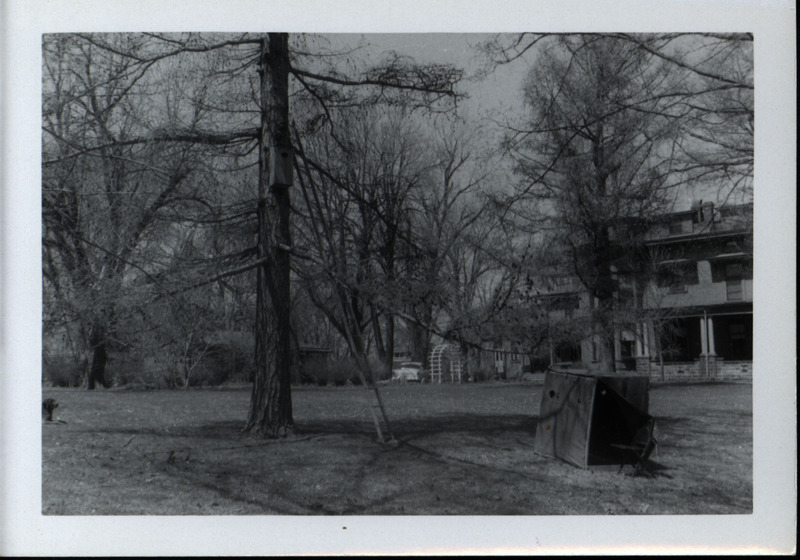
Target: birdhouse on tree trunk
(280,166)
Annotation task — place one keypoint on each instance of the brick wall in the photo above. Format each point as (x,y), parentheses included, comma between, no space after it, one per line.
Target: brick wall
(695,371)
(734,370)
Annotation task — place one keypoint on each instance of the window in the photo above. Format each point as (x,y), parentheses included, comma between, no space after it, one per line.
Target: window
(567,351)
(740,341)
(677,276)
(627,348)
(733,337)
(675,228)
(567,304)
(677,286)
(733,282)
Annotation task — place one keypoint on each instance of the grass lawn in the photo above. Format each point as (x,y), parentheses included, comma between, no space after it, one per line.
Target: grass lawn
(463,449)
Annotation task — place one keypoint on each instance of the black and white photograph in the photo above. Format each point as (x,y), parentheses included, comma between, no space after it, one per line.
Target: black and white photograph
(288,284)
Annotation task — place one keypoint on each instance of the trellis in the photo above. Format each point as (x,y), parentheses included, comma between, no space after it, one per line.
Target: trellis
(445,359)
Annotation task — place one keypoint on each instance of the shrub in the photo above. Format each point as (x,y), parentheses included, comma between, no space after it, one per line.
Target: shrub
(333,372)
(340,372)
(380,370)
(124,369)
(483,375)
(63,371)
(222,362)
(355,380)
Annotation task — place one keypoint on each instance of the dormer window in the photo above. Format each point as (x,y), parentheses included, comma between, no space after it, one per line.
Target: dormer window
(676,227)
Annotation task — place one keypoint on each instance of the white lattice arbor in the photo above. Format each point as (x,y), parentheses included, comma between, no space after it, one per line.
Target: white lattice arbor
(443,360)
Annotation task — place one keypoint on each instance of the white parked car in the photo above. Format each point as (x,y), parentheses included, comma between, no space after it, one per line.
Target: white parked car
(408,371)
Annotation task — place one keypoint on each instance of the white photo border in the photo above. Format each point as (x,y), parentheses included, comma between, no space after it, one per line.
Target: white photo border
(771,528)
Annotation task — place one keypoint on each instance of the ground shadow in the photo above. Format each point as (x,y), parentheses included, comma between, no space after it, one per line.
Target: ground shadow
(405,428)
(489,426)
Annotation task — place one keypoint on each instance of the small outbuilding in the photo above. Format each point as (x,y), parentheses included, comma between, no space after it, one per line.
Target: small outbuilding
(589,418)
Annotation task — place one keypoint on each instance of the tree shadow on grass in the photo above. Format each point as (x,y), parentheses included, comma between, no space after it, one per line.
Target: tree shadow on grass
(413,428)
(403,428)
(496,450)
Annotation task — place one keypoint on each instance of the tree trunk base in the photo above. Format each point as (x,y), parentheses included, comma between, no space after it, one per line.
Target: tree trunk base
(288,431)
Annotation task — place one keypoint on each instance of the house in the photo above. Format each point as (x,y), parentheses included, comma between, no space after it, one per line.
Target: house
(699,307)
(689,317)
(505,359)
(683,306)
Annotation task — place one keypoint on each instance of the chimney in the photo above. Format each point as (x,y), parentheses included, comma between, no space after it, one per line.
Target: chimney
(708,212)
(697,211)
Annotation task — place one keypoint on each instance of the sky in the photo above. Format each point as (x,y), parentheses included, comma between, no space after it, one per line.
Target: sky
(498,94)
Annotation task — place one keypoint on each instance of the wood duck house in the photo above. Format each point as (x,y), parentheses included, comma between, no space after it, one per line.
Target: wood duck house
(594,419)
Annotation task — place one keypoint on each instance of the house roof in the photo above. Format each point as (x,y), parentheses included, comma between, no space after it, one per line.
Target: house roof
(729,256)
(729,308)
(697,237)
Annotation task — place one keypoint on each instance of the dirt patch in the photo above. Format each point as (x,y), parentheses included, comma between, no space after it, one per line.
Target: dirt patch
(462,449)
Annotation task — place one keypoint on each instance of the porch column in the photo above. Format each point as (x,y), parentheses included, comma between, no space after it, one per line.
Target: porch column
(639,340)
(711,348)
(646,338)
(703,337)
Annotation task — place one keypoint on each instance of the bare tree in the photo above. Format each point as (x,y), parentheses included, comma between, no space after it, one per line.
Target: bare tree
(592,158)
(97,108)
(398,81)
(357,204)
(106,191)
(708,97)
(713,81)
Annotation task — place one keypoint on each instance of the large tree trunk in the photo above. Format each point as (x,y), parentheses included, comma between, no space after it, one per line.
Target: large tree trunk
(419,343)
(97,343)
(604,291)
(384,340)
(604,327)
(271,399)
(389,343)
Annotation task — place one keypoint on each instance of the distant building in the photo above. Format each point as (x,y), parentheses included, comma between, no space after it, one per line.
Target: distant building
(684,310)
(505,359)
(701,302)
(691,318)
